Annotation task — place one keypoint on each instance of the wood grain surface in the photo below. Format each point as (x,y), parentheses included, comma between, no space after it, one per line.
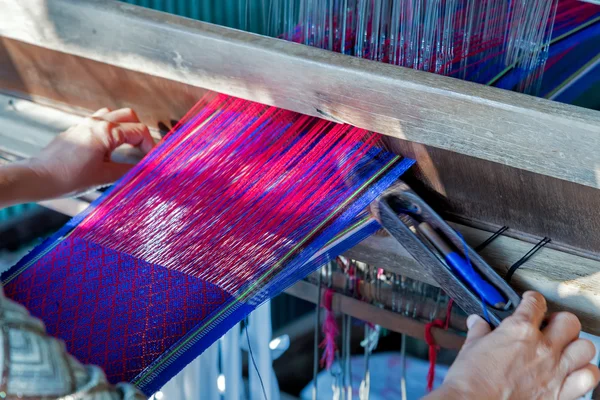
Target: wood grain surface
(520,131)
(463,187)
(386,319)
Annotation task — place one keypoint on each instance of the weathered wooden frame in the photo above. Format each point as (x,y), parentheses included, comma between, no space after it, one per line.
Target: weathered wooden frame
(114,54)
(484,155)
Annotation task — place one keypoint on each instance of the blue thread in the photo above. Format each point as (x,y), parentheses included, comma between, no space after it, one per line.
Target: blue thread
(466,250)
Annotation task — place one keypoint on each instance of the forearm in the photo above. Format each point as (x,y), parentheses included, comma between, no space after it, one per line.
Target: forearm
(21,184)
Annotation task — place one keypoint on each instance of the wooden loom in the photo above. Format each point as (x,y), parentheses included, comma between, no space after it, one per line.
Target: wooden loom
(485,156)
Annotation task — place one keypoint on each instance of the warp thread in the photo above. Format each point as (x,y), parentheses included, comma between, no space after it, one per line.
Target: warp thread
(254,190)
(433,347)
(469,40)
(330,331)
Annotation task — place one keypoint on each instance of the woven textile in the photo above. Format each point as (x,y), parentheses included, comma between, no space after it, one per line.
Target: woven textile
(112,309)
(37,366)
(237,203)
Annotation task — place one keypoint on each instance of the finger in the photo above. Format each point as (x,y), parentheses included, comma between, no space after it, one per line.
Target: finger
(121,115)
(112,172)
(532,308)
(478,328)
(562,329)
(580,382)
(101,112)
(577,355)
(135,134)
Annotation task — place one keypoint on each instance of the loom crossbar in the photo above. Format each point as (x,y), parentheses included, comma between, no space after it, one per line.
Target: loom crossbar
(512,129)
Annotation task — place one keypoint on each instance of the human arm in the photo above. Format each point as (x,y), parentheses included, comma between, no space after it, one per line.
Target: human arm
(521,360)
(76,160)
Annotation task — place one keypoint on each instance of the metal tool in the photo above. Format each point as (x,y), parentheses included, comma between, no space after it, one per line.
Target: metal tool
(458,269)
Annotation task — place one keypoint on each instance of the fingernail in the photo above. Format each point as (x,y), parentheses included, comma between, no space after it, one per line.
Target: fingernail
(471,320)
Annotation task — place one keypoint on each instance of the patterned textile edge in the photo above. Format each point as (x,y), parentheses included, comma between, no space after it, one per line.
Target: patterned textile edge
(200,337)
(51,242)
(362,229)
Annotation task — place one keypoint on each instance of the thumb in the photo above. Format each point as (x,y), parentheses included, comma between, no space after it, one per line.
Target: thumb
(478,328)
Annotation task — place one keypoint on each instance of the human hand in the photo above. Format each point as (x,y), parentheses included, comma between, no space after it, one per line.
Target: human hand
(518,360)
(80,158)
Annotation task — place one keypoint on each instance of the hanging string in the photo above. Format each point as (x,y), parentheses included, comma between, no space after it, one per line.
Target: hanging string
(369,343)
(364,390)
(448,313)
(348,357)
(403,366)
(262,385)
(467,39)
(344,265)
(433,347)
(330,331)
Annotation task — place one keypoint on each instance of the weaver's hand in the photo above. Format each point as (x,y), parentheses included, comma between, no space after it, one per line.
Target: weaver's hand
(79,158)
(518,360)
(76,160)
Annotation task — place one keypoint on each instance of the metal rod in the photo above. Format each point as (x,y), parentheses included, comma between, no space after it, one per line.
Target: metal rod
(403,366)
(316,343)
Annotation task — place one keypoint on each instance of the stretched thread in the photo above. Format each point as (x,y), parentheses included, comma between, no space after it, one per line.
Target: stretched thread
(461,38)
(251,354)
(255,176)
(230,208)
(433,347)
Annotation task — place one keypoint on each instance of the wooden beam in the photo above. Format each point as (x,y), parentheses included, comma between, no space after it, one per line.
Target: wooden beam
(527,133)
(410,301)
(477,191)
(386,319)
(459,185)
(79,85)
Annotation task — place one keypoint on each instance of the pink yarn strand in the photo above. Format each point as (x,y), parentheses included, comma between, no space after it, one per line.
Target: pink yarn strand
(330,331)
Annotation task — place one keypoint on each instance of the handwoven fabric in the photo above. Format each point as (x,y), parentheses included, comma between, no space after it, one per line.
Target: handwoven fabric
(133,311)
(236,204)
(37,366)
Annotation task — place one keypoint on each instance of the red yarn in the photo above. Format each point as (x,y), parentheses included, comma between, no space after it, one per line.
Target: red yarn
(448,313)
(330,330)
(433,347)
(232,192)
